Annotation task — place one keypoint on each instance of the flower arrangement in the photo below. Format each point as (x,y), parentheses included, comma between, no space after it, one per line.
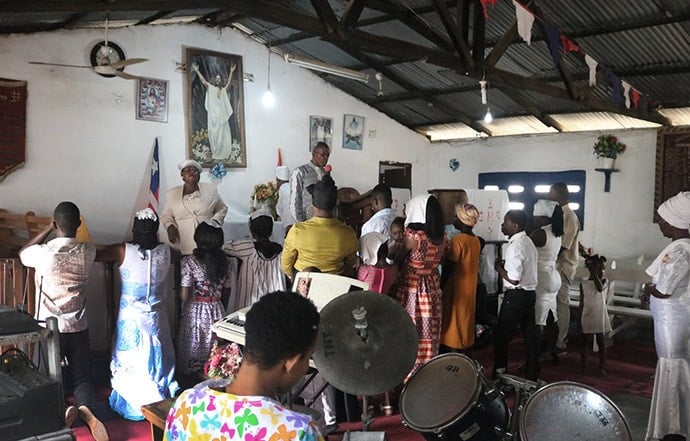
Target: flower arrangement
(608,146)
(224,361)
(265,193)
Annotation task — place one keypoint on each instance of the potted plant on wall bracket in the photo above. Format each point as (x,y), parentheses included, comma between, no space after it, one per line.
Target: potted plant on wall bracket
(607,149)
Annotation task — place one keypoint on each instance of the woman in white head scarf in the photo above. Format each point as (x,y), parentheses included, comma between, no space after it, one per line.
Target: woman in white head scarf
(548,217)
(669,413)
(419,289)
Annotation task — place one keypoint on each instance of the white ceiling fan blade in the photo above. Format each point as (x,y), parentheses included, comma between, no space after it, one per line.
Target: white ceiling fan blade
(43,63)
(105,70)
(126,76)
(128,62)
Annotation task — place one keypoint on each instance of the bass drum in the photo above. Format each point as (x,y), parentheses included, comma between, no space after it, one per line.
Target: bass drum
(566,410)
(447,399)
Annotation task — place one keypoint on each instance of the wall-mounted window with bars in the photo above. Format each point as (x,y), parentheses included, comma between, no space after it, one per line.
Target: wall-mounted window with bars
(525,188)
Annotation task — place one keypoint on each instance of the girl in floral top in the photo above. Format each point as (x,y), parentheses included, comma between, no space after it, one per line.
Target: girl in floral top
(208,276)
(280,337)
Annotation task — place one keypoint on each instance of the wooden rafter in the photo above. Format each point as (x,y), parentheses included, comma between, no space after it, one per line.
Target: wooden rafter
(532,108)
(455,34)
(411,88)
(351,15)
(326,15)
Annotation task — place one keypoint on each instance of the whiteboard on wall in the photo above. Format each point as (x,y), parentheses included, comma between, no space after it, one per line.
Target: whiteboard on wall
(492,206)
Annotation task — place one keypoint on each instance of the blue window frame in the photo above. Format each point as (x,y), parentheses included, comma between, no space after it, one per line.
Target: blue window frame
(529,180)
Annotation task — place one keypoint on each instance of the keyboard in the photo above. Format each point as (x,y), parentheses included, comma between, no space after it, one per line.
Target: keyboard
(231,327)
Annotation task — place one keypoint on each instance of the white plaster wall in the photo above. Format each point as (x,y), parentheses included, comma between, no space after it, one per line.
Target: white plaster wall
(84,143)
(617,224)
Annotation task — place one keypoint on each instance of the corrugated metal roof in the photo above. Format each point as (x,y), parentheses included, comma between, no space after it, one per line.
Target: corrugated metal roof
(644,43)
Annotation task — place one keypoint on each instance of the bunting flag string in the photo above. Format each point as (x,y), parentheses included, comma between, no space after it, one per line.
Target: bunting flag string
(592,65)
(569,45)
(622,92)
(525,20)
(553,41)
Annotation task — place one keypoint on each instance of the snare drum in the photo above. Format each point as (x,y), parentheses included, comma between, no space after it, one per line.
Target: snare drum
(447,399)
(569,410)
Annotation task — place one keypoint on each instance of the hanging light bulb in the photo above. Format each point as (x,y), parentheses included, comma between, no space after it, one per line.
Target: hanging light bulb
(488,118)
(482,84)
(269,100)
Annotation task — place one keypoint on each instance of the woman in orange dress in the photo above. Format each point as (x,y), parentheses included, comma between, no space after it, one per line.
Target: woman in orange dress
(460,292)
(419,290)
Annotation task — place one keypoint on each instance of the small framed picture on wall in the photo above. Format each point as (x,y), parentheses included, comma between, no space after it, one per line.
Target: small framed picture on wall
(152,100)
(320,130)
(353,132)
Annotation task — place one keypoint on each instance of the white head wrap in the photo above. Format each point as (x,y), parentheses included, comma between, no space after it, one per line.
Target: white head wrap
(283,173)
(263,211)
(676,210)
(416,209)
(189,163)
(369,245)
(544,207)
(146,213)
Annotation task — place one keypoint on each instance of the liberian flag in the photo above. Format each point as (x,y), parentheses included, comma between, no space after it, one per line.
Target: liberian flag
(154,183)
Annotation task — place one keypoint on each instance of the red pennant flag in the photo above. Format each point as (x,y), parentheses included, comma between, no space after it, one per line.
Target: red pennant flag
(280,157)
(568,44)
(487,2)
(635,97)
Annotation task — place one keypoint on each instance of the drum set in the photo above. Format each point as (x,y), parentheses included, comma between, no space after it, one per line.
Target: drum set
(367,344)
(450,398)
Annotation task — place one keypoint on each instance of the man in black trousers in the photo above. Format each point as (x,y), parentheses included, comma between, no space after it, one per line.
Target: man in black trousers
(519,274)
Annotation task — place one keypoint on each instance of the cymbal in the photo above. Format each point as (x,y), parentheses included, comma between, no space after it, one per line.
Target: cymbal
(367,343)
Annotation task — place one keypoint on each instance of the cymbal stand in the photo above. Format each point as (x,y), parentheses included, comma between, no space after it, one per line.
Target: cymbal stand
(367,417)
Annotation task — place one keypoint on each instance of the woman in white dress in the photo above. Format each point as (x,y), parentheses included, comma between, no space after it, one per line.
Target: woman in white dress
(548,216)
(143,357)
(669,413)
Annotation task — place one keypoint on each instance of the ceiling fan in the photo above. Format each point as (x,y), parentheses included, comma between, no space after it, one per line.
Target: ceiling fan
(107,59)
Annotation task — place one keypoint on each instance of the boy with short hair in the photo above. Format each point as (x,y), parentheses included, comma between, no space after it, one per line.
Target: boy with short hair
(519,274)
(281,331)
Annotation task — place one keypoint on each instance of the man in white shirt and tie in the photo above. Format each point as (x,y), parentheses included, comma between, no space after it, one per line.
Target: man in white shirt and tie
(519,274)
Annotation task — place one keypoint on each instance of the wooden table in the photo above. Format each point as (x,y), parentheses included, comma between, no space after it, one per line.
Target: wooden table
(156,413)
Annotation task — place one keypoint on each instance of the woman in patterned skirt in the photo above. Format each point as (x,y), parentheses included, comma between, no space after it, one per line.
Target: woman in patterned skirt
(419,290)
(208,276)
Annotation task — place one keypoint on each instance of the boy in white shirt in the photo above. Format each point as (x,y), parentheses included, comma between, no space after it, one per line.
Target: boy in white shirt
(519,274)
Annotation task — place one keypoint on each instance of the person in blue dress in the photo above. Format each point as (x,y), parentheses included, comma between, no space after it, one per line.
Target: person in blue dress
(143,355)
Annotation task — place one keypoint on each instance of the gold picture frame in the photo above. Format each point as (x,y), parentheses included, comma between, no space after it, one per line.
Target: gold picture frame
(215,108)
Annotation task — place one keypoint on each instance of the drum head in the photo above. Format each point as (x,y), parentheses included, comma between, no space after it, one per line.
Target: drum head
(441,391)
(569,410)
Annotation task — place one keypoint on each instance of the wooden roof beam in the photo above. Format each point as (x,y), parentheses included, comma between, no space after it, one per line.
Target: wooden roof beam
(411,87)
(532,108)
(352,13)
(326,15)
(455,34)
